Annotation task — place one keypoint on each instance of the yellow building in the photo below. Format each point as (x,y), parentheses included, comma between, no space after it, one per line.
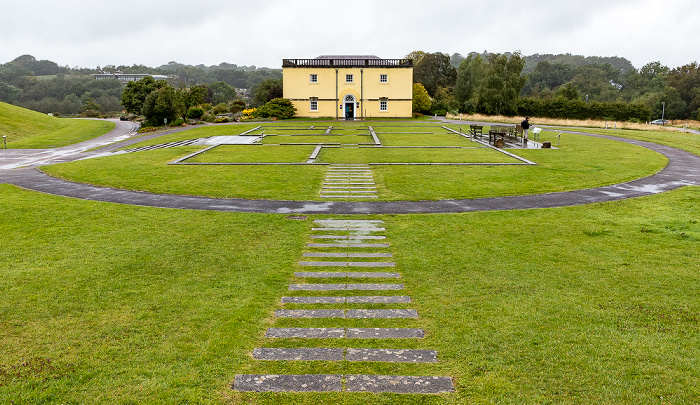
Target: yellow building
(349,87)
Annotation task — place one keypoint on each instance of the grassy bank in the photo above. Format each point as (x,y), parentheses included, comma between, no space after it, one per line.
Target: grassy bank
(26,129)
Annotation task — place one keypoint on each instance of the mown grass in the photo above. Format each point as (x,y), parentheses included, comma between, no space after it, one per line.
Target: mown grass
(318,139)
(150,171)
(26,129)
(677,139)
(359,155)
(581,162)
(105,303)
(254,154)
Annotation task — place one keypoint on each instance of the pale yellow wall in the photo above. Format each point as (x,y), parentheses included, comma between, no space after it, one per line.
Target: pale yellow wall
(398,89)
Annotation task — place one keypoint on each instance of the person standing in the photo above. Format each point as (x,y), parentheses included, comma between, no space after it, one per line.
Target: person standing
(526,126)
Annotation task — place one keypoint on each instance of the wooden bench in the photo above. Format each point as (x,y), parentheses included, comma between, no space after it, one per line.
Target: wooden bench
(476,130)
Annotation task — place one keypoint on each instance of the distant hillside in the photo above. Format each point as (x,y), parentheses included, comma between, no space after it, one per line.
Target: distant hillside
(29,129)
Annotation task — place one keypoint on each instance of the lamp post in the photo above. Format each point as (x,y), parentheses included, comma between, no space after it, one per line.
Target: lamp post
(4,140)
(663,110)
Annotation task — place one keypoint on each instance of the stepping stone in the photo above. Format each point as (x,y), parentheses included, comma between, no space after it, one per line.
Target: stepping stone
(370,255)
(348,245)
(338,287)
(317,287)
(350,229)
(389,355)
(348,223)
(378,287)
(288,383)
(381,313)
(380,299)
(398,384)
(308,333)
(371,264)
(338,274)
(358,237)
(328,264)
(310,313)
(301,354)
(313,300)
(384,333)
(365,255)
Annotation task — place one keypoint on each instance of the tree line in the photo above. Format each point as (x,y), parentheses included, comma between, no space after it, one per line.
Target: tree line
(44,86)
(563,86)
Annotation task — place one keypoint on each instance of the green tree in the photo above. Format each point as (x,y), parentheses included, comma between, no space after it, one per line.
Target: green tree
(502,84)
(236,106)
(416,56)
(161,104)
(188,98)
(569,92)
(434,70)
(135,93)
(279,108)
(469,78)
(686,80)
(421,99)
(9,93)
(222,92)
(267,90)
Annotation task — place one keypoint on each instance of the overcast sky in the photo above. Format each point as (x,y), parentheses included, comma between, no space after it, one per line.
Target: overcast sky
(263,32)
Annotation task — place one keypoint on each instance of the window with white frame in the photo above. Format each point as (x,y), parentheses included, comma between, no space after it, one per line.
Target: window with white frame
(348,78)
(313,78)
(383,78)
(313,104)
(383,104)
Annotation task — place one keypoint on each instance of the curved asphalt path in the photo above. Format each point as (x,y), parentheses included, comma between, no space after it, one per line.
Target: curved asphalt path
(683,170)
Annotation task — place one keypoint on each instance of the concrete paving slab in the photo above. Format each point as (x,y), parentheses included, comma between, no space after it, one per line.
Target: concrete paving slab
(370,255)
(302,354)
(306,333)
(348,245)
(350,229)
(371,264)
(376,287)
(324,264)
(288,383)
(398,384)
(379,299)
(354,237)
(313,300)
(318,287)
(381,313)
(392,355)
(317,254)
(310,313)
(384,333)
(371,274)
(321,274)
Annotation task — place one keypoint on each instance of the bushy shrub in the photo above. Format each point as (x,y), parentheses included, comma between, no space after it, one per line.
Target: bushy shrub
(279,108)
(178,122)
(236,106)
(195,113)
(560,107)
(220,109)
(219,120)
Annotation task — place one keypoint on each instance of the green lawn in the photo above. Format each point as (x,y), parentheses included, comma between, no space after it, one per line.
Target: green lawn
(318,139)
(103,303)
(686,141)
(254,154)
(581,162)
(412,155)
(26,129)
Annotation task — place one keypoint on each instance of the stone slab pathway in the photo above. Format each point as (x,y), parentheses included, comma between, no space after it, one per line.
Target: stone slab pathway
(349,383)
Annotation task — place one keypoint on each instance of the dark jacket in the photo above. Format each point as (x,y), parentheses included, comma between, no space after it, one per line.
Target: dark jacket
(525,124)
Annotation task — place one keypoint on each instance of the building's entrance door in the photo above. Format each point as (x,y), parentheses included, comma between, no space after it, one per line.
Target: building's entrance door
(349,107)
(349,111)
